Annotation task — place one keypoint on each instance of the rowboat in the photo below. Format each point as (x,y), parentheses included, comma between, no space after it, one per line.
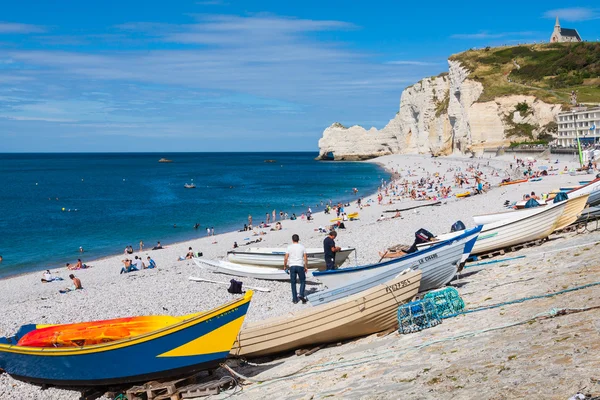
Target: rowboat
(273,257)
(438,265)
(573,209)
(175,346)
(528,225)
(373,310)
(247,271)
(513,182)
(589,214)
(594,199)
(438,262)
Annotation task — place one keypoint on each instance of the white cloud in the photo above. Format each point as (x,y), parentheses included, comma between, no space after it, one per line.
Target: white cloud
(11,27)
(46,119)
(489,35)
(573,14)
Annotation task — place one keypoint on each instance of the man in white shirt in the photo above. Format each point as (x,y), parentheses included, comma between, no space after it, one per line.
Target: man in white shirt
(296,261)
(139,264)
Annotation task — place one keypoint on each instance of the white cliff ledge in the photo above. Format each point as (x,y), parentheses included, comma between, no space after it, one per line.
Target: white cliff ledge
(440,116)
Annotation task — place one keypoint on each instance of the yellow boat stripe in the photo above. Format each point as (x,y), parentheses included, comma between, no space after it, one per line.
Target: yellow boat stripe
(219,340)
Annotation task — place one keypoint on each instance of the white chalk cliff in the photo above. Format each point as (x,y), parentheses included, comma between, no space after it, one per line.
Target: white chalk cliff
(440,116)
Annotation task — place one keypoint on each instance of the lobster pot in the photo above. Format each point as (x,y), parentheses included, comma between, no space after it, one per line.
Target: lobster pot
(417,315)
(446,301)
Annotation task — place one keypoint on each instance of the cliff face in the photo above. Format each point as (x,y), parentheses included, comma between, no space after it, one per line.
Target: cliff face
(441,115)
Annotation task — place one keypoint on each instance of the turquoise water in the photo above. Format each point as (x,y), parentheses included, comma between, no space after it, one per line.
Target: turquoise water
(124,198)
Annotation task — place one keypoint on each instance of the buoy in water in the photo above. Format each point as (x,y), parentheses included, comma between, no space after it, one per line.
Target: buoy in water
(63,209)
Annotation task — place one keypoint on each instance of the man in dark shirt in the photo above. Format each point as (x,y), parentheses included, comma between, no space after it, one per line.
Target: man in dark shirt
(330,249)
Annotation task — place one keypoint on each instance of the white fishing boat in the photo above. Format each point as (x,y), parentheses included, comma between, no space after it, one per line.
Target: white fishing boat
(273,257)
(373,310)
(532,225)
(190,186)
(245,271)
(439,264)
(575,205)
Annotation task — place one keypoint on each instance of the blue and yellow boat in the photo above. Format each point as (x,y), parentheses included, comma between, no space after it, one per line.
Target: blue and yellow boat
(123,351)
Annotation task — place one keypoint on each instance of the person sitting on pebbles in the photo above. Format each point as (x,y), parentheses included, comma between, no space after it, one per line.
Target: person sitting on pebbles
(76,285)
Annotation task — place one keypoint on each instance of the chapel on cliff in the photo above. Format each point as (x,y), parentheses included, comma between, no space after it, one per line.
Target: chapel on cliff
(564,34)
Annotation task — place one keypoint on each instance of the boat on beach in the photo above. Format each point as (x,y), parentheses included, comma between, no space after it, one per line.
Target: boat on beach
(438,262)
(370,311)
(245,271)
(273,257)
(159,347)
(528,225)
(513,182)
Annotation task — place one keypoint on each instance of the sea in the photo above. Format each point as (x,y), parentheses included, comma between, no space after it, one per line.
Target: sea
(53,204)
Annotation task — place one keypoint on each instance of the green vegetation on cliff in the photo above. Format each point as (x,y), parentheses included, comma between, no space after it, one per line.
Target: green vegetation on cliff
(547,71)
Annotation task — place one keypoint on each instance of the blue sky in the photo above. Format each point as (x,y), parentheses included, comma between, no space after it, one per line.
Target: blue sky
(234,75)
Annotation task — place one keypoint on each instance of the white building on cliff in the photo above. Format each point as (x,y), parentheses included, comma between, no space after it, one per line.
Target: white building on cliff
(560,35)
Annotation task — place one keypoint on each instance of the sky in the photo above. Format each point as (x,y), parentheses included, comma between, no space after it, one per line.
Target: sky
(225,75)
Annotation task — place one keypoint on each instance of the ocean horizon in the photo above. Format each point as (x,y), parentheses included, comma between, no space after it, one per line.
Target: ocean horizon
(53,203)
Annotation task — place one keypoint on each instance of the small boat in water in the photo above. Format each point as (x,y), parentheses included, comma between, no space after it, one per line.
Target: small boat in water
(273,257)
(125,350)
(164,160)
(370,311)
(190,186)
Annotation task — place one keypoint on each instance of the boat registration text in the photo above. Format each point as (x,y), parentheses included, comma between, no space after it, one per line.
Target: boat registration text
(397,286)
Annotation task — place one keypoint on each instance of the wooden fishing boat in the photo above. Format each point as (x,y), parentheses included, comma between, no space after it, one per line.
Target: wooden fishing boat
(513,182)
(246,271)
(528,225)
(273,257)
(176,346)
(373,310)
(439,264)
(573,209)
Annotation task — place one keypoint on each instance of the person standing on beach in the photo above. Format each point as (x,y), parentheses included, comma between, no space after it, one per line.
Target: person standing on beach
(296,261)
(329,248)
(274,216)
(207,231)
(212,231)
(249,222)
(268,218)
(141,246)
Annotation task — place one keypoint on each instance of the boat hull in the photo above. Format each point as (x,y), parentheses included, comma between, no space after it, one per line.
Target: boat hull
(505,233)
(438,263)
(202,341)
(573,209)
(274,257)
(438,266)
(368,312)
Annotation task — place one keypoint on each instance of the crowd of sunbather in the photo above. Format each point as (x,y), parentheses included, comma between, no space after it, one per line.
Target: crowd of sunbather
(137,264)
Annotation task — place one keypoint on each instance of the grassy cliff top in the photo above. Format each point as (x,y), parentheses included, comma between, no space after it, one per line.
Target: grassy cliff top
(547,71)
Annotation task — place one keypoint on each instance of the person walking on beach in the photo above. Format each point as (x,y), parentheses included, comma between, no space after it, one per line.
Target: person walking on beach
(296,261)
(329,248)
(207,231)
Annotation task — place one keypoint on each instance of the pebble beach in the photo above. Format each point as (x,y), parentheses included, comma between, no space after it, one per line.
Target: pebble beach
(544,358)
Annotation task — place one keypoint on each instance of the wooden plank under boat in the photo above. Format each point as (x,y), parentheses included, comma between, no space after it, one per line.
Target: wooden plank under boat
(362,314)
(273,257)
(246,271)
(438,265)
(198,341)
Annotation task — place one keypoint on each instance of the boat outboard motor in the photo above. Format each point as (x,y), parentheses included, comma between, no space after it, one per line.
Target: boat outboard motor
(421,236)
(458,226)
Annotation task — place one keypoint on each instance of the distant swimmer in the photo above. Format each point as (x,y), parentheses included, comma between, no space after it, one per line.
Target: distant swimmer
(81,249)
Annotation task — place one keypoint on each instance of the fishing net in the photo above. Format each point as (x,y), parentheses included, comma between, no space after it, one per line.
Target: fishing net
(417,315)
(446,301)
